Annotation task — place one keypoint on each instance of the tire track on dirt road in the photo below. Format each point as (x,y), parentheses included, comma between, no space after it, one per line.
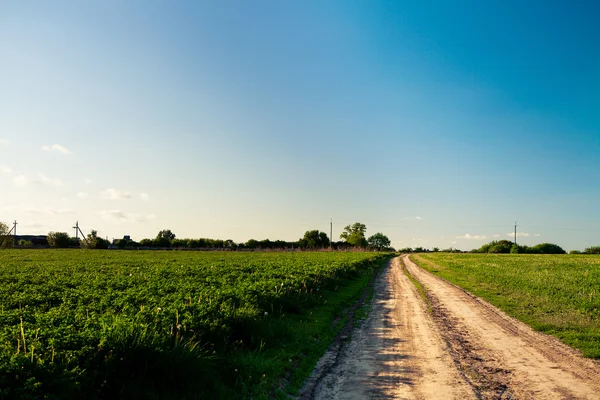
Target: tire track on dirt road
(442,342)
(397,352)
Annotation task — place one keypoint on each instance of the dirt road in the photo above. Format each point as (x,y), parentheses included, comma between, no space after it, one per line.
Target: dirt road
(432,340)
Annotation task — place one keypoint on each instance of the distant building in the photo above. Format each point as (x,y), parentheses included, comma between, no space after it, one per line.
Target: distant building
(126,239)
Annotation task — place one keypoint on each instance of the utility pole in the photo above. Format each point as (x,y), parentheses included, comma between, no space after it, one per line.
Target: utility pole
(78,230)
(515,232)
(15,233)
(331,232)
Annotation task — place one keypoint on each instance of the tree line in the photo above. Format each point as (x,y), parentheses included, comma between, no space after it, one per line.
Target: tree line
(353,237)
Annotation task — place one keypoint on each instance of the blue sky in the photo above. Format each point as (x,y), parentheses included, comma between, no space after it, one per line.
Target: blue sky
(436,123)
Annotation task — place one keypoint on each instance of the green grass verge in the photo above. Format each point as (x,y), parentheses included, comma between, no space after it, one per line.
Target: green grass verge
(322,326)
(555,294)
(418,285)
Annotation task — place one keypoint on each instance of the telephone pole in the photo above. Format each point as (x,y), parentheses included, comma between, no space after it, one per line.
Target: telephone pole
(331,232)
(515,232)
(15,233)
(77,231)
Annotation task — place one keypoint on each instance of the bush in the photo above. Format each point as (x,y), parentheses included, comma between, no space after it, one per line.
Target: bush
(592,250)
(547,248)
(59,239)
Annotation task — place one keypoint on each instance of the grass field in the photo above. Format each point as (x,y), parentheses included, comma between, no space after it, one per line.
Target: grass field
(555,294)
(166,324)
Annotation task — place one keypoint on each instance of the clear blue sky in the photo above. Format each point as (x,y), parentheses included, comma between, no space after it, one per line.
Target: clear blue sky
(436,123)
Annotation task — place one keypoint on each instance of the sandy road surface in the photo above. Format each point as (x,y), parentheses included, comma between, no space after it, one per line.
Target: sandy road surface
(450,346)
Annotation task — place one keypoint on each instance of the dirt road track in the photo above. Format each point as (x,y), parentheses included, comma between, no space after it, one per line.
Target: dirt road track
(446,343)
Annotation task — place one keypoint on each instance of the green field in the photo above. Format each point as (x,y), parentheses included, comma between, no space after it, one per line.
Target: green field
(168,324)
(555,294)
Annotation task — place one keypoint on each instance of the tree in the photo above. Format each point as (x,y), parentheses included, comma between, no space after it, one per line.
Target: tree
(25,243)
(146,243)
(496,246)
(314,240)
(547,248)
(355,234)
(379,241)
(592,250)
(59,239)
(95,242)
(5,239)
(164,238)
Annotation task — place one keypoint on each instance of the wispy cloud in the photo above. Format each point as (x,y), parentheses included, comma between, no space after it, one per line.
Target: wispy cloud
(519,234)
(4,170)
(497,235)
(50,181)
(536,234)
(4,142)
(114,194)
(57,148)
(22,180)
(82,195)
(125,216)
(144,196)
(49,211)
(472,237)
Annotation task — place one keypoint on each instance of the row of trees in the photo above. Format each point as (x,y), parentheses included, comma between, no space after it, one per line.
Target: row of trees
(63,240)
(353,237)
(506,246)
(589,250)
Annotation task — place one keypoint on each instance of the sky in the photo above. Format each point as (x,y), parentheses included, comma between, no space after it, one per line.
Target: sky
(437,123)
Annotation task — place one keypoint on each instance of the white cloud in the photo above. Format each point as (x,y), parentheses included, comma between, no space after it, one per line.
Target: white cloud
(496,235)
(125,216)
(82,195)
(21,180)
(144,196)
(87,181)
(536,234)
(49,211)
(472,237)
(56,147)
(114,194)
(519,234)
(50,181)
(4,142)
(4,170)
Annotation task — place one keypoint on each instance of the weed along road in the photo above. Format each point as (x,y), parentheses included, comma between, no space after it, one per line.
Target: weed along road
(427,339)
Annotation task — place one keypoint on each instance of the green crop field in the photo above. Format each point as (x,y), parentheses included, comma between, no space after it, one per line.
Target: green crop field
(168,324)
(555,294)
